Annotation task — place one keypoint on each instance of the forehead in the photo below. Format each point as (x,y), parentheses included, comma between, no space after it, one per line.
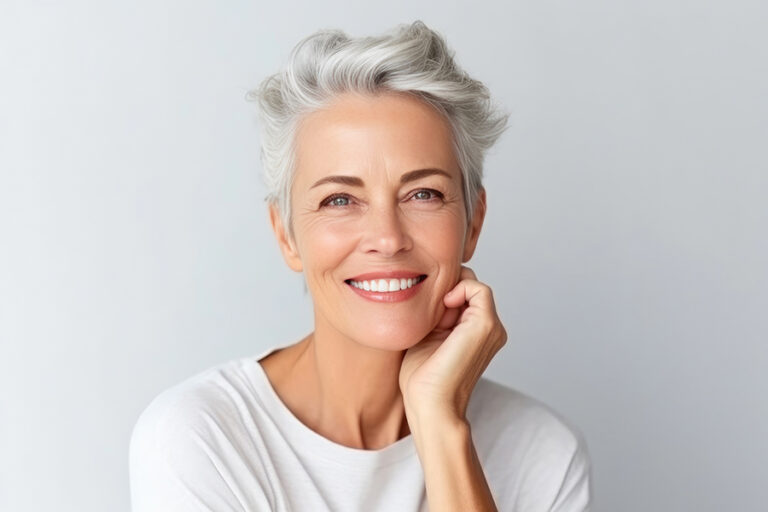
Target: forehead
(390,133)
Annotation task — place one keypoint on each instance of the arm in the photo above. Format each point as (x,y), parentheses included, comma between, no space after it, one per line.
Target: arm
(453,476)
(437,377)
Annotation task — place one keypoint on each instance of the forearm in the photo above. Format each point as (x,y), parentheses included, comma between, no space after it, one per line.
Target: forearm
(453,475)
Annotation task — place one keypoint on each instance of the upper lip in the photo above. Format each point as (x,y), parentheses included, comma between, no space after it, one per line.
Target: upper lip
(387,274)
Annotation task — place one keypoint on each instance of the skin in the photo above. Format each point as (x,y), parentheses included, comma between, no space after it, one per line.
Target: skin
(371,373)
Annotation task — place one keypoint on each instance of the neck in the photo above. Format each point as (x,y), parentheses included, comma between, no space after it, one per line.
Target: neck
(352,391)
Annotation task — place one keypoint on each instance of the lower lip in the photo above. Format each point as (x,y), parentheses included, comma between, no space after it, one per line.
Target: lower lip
(397,296)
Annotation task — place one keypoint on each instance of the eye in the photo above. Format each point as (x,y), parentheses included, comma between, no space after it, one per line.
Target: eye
(424,195)
(335,201)
(425,192)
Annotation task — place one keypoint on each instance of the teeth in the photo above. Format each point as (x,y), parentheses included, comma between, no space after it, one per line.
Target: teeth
(386,285)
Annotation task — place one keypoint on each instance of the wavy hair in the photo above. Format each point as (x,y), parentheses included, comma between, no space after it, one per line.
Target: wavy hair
(412,59)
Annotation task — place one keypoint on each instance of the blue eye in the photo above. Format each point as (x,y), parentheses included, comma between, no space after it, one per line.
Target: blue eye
(428,191)
(333,200)
(424,195)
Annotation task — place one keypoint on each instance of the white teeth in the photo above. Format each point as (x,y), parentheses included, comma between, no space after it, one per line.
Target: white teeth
(384,285)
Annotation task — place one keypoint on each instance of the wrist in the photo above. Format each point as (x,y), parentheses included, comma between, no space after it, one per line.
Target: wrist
(435,423)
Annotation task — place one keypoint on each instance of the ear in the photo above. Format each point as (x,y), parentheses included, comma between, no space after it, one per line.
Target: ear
(470,241)
(287,245)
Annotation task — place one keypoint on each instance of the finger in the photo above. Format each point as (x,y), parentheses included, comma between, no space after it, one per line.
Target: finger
(467,273)
(449,318)
(464,273)
(472,292)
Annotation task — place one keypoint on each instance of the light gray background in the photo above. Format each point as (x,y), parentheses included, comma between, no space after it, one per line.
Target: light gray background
(625,239)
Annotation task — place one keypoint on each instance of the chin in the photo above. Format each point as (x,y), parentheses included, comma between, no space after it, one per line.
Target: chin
(395,338)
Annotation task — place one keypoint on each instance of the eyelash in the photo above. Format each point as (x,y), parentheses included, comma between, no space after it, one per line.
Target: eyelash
(326,202)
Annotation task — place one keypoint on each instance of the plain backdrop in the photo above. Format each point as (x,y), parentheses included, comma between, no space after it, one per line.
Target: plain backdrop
(625,239)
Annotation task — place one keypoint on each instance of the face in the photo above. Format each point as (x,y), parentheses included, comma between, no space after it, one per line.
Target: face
(377,189)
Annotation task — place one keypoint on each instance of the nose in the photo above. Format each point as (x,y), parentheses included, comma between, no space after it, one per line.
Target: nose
(385,231)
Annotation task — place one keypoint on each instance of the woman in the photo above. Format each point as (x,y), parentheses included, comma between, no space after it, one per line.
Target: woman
(373,152)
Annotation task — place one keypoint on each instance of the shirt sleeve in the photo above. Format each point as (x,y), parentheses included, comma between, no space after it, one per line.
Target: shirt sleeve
(575,494)
(173,466)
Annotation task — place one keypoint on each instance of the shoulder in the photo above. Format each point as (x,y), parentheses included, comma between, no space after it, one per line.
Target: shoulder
(531,449)
(498,408)
(200,403)
(184,447)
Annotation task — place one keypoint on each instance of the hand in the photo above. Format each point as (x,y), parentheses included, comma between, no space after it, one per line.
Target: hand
(438,374)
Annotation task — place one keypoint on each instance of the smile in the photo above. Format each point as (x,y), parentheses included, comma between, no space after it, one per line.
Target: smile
(387,290)
(386,285)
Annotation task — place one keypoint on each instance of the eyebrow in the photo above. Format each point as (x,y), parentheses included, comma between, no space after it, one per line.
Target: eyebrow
(354,181)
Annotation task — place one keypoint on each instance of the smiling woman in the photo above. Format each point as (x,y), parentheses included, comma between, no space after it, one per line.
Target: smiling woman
(398,212)
(372,152)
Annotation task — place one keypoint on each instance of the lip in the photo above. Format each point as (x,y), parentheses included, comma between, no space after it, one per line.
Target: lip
(397,296)
(387,274)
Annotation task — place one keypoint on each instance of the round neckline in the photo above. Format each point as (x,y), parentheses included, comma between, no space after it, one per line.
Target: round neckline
(300,435)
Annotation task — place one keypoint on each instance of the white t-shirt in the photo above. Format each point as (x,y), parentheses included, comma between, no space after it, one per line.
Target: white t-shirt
(222,440)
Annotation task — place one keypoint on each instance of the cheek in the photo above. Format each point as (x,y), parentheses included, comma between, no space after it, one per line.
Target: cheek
(442,236)
(443,241)
(324,246)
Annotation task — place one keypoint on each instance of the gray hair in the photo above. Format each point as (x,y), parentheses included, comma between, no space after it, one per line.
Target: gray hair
(411,59)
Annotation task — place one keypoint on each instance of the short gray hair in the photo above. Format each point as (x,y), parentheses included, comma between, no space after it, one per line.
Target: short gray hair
(412,59)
